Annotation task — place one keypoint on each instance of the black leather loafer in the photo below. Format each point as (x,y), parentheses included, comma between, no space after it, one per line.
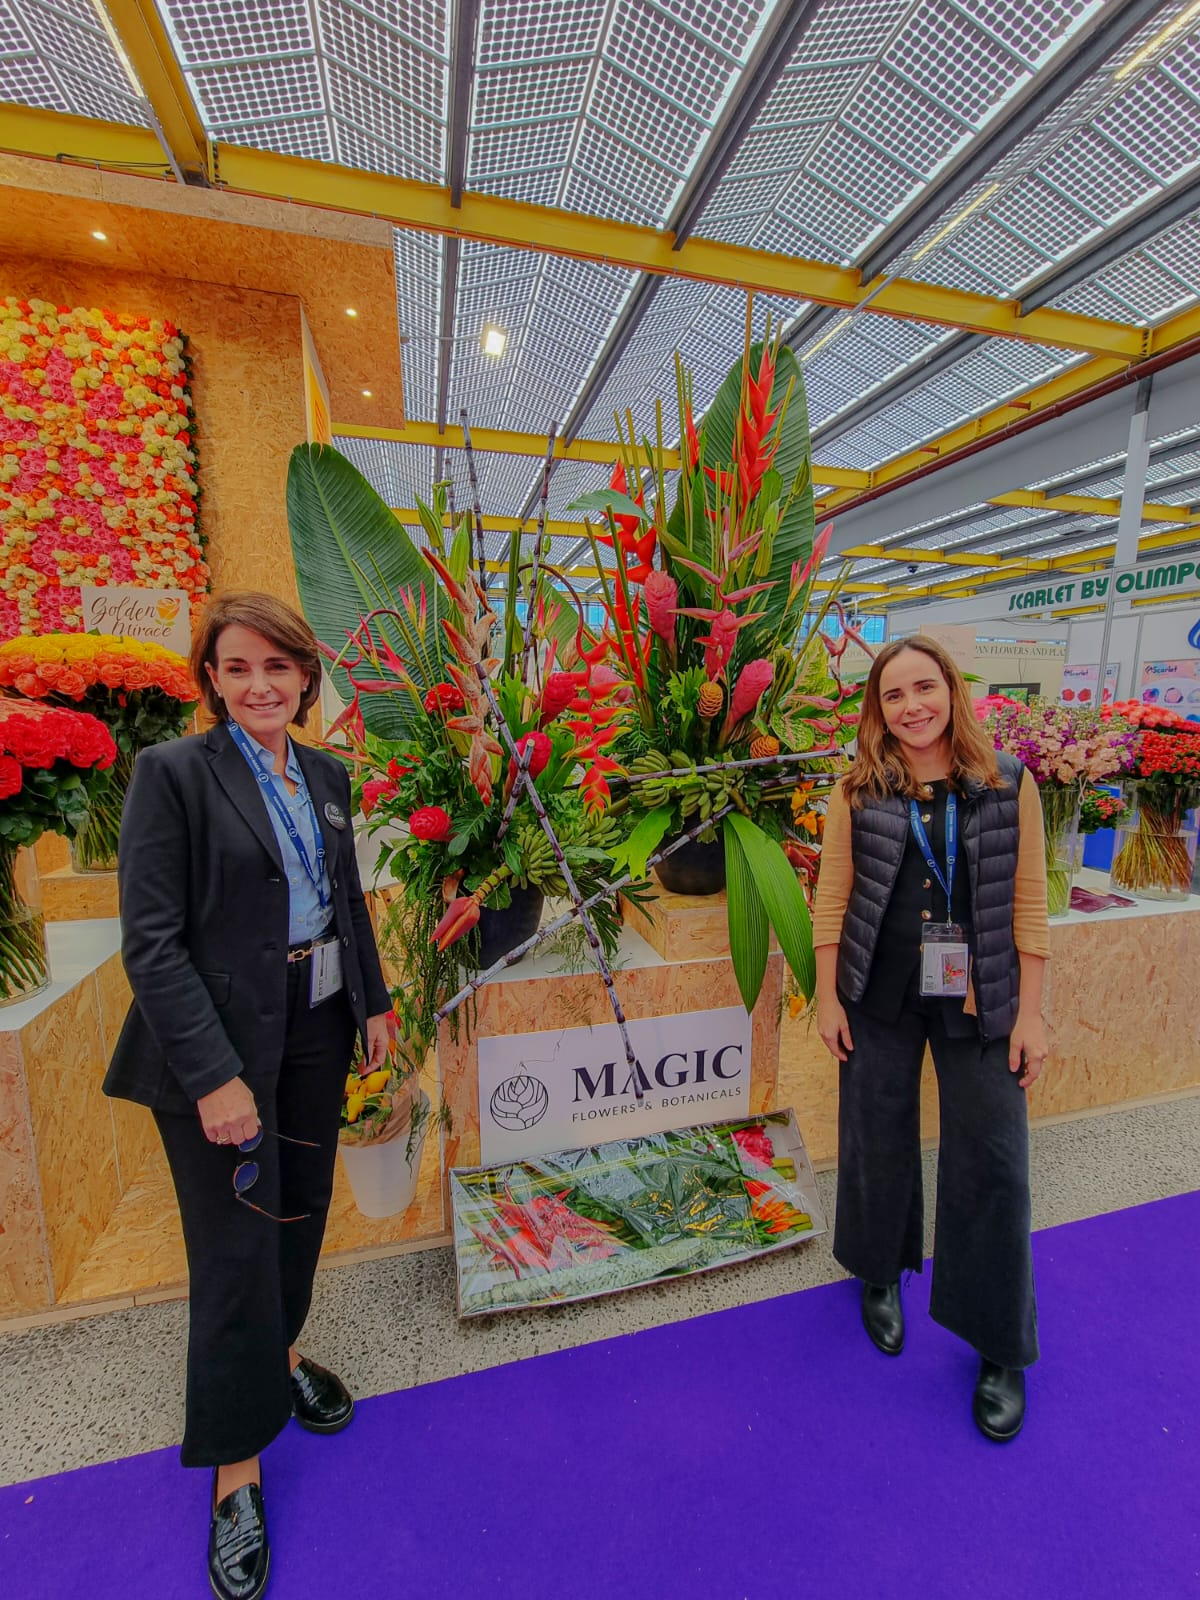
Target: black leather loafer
(239,1556)
(321,1402)
(999,1406)
(883,1317)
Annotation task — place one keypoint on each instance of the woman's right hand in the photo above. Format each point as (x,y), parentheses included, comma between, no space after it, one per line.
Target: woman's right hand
(229,1114)
(834,1027)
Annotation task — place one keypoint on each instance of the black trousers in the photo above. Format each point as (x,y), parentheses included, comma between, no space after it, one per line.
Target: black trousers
(250,1277)
(982,1261)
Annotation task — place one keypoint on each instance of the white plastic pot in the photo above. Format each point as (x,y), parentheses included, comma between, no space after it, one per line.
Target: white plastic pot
(382,1178)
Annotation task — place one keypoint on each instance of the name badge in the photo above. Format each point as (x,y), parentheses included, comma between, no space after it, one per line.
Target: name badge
(944,959)
(326,971)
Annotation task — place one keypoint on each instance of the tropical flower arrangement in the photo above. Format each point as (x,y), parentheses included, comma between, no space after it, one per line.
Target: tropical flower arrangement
(97,461)
(711,647)
(1155,854)
(52,763)
(629,1212)
(141,691)
(387,1103)
(1064,749)
(422,736)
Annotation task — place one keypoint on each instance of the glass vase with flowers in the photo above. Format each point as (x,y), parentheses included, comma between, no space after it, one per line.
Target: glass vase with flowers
(1155,851)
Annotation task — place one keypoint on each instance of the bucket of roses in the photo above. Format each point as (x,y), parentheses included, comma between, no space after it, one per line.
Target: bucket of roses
(53,762)
(141,691)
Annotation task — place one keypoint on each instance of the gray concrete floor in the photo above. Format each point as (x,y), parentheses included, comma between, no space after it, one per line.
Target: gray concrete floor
(110,1386)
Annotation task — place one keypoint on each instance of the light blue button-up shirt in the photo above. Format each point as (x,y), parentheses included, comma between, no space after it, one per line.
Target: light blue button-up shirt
(306,916)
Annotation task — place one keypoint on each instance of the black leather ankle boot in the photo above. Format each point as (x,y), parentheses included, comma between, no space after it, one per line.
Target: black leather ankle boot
(883,1317)
(999,1406)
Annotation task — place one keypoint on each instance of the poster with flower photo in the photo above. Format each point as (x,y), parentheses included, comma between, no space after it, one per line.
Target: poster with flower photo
(594,1221)
(97,462)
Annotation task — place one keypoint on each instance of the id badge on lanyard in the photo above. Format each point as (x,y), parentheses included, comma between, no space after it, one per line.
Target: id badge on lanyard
(944,953)
(326,971)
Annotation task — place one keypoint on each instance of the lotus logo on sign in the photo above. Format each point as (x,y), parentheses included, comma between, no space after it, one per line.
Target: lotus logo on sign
(519,1102)
(692,1067)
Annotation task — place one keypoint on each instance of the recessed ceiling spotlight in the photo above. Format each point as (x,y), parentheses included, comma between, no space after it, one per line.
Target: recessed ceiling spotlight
(366,394)
(96,234)
(351,312)
(493,339)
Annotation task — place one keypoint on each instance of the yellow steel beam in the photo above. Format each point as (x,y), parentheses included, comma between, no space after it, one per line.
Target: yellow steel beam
(51,135)
(429,208)
(602,452)
(556,528)
(140,34)
(1042,402)
(1094,505)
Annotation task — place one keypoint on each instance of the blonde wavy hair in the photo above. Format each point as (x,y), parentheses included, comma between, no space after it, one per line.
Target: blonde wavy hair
(879,768)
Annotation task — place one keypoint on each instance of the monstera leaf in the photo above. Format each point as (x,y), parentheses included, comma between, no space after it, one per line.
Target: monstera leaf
(352,557)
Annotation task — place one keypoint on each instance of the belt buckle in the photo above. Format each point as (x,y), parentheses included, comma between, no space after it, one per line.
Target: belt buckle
(299,955)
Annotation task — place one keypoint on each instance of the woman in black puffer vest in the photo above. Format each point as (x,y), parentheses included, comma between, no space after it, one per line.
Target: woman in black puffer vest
(930,928)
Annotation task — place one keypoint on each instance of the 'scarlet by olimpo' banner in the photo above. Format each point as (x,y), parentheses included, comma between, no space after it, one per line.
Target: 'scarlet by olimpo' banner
(573,1086)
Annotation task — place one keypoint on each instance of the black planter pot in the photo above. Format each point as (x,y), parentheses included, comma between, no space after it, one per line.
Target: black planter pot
(695,869)
(502,931)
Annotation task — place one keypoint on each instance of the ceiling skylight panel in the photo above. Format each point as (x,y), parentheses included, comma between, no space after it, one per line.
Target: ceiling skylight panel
(905,122)
(417,139)
(835,226)
(374,52)
(424,23)
(418,292)
(1155,125)
(214,30)
(1046,219)
(1028,27)
(1148,292)
(653,49)
(638,186)
(13,38)
(304,136)
(539,92)
(812,94)
(81,44)
(26,81)
(260,91)
(845,28)
(861,173)
(644,119)
(1089,300)
(1008,262)
(958,66)
(1178,252)
(1097,176)
(770,155)
(514,31)
(512,152)
(947,268)
(596,197)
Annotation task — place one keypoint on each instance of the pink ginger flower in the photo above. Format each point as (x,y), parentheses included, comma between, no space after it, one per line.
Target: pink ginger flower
(661,592)
(753,682)
(719,643)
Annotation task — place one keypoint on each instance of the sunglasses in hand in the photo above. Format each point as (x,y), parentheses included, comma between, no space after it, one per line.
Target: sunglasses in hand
(246,1173)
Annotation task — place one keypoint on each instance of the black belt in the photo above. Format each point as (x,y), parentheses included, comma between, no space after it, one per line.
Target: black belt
(301,952)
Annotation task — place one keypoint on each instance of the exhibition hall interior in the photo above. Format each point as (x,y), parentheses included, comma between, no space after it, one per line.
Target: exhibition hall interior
(689,475)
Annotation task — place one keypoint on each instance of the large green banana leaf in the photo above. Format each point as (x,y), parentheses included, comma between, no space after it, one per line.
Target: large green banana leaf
(352,556)
(794,540)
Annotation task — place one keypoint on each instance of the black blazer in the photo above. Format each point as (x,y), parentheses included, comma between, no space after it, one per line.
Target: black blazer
(204,921)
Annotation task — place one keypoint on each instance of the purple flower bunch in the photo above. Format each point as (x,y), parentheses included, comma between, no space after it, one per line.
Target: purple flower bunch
(1062,745)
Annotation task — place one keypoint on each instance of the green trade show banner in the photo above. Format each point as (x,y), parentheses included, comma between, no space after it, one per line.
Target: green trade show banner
(1159,580)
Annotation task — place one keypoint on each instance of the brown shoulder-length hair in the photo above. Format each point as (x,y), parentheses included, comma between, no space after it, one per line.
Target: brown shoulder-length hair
(262,613)
(880,769)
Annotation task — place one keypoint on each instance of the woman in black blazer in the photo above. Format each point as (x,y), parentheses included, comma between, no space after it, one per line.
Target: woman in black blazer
(253,965)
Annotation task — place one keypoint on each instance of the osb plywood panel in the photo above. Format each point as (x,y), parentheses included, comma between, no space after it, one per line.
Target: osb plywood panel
(248,389)
(64,1063)
(24,1264)
(253,245)
(69,896)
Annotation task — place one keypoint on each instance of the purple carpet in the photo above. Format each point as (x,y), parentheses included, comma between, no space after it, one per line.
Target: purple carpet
(757,1453)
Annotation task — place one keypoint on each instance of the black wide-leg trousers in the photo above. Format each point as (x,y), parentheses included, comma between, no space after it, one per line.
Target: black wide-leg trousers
(250,1277)
(982,1261)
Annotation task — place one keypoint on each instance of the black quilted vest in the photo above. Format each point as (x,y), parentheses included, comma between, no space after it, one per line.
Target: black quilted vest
(989,829)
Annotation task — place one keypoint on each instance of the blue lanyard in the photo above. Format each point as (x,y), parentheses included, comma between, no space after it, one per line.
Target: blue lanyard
(315,875)
(946,879)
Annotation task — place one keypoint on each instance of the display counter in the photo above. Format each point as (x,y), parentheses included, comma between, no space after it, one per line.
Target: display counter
(89,1218)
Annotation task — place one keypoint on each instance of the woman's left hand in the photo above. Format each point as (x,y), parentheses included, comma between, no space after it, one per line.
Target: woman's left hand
(377,1043)
(1027,1047)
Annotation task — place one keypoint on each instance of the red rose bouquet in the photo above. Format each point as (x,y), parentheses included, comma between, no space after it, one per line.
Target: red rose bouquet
(1155,854)
(52,764)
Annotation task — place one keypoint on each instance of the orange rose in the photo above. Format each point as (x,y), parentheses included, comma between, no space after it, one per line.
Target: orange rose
(71,683)
(112,674)
(30,684)
(138,678)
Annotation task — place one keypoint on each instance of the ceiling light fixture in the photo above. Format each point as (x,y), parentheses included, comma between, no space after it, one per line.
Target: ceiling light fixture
(351,312)
(493,339)
(96,234)
(366,394)
(1171,31)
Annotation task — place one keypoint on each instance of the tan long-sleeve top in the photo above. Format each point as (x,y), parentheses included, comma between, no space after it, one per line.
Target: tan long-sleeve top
(1031,930)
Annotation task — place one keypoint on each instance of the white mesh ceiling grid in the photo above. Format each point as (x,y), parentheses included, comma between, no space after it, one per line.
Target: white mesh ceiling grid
(1155,125)
(1001,259)
(418,139)
(537,93)
(397,472)
(865,175)
(376,53)
(418,259)
(305,136)
(897,117)
(505,153)
(639,188)
(63,63)
(213,30)
(645,120)
(358,149)
(260,91)
(1137,283)
(1046,219)
(1178,251)
(810,219)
